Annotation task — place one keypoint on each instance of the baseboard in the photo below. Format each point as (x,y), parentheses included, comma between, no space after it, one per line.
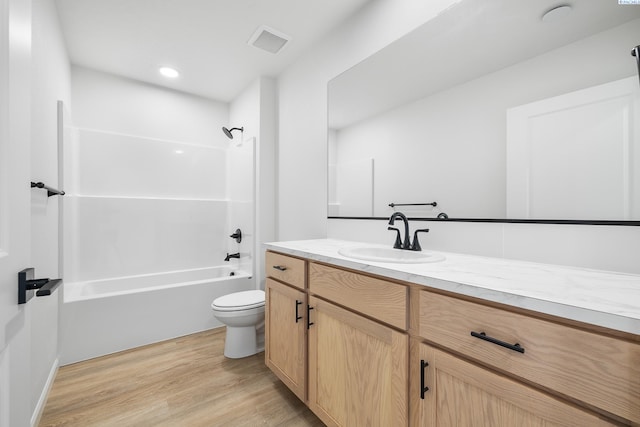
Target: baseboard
(37,412)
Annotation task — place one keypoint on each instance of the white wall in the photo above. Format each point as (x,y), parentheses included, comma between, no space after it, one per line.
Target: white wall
(255,110)
(266,167)
(303,159)
(50,83)
(302,94)
(110,103)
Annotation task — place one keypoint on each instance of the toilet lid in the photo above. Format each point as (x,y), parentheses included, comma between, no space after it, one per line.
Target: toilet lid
(239,300)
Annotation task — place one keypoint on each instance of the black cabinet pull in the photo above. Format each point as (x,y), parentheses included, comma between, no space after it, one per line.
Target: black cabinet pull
(483,336)
(279,267)
(309,308)
(298,317)
(423,388)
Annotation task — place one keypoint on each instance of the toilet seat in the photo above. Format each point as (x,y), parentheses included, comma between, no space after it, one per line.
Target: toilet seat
(237,301)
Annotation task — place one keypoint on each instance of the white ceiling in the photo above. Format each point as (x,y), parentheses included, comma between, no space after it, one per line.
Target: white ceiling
(206,40)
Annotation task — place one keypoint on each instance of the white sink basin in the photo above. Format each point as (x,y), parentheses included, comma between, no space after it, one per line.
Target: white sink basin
(400,256)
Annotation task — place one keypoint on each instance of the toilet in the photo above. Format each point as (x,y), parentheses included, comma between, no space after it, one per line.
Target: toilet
(243,313)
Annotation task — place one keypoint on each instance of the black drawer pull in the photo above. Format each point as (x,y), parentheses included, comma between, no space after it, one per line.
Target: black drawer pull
(309,308)
(483,336)
(279,267)
(423,388)
(298,317)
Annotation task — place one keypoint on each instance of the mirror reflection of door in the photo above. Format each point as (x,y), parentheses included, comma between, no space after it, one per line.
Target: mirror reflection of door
(573,156)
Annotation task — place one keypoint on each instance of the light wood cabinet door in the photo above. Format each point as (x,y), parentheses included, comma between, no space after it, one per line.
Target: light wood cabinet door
(464,394)
(285,333)
(357,369)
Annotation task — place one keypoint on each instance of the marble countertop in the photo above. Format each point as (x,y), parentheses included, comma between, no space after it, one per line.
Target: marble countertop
(607,299)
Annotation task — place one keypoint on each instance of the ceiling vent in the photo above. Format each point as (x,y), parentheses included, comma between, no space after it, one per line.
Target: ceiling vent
(268,39)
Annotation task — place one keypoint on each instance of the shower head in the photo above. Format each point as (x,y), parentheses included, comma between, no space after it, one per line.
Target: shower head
(228,131)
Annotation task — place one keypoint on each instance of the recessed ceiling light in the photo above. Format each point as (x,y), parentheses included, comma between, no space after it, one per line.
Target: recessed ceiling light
(169,72)
(556,14)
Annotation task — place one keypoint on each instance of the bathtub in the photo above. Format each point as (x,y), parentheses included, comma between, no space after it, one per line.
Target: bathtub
(104,316)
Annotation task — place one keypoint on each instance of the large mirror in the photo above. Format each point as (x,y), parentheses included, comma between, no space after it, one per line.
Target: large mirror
(494,110)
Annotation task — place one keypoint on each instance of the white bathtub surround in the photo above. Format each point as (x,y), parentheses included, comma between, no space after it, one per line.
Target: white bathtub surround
(146,176)
(142,249)
(607,299)
(105,316)
(154,190)
(138,205)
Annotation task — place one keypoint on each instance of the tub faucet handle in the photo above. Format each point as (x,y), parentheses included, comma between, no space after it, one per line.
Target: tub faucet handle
(237,235)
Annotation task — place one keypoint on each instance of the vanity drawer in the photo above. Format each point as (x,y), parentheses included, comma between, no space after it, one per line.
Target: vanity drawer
(382,300)
(599,370)
(285,268)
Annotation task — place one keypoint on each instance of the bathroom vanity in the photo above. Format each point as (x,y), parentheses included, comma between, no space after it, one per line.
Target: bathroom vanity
(466,340)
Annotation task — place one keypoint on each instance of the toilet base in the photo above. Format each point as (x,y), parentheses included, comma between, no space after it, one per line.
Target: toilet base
(241,341)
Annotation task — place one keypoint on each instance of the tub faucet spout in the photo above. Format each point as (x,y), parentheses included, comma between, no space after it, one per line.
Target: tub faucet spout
(229,256)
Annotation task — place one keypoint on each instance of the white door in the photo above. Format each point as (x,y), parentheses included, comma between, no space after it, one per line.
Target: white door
(15,57)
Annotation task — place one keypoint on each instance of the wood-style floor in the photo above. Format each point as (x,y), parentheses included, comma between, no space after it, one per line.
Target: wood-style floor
(181,382)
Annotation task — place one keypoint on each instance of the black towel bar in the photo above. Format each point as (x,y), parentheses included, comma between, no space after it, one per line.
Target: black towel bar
(50,190)
(434,204)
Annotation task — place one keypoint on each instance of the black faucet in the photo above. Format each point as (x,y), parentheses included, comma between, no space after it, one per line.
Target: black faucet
(407,242)
(229,256)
